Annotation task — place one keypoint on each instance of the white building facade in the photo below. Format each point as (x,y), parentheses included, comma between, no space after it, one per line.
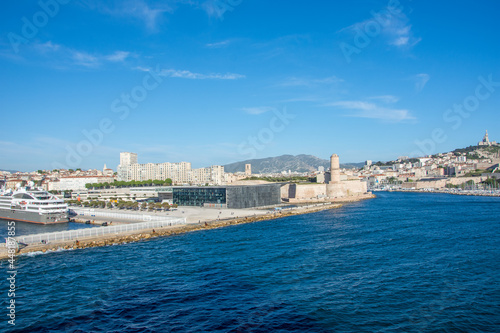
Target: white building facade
(180,173)
(76,183)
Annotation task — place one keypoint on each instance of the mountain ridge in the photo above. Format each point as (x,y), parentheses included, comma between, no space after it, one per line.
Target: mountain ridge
(277,164)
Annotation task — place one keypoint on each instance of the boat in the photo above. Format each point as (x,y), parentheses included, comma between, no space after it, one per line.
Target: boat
(33,205)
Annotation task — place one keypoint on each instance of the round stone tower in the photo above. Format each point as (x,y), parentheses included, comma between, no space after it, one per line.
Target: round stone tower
(334,169)
(334,188)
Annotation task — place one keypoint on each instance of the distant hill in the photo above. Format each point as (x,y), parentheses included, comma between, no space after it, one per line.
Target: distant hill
(299,163)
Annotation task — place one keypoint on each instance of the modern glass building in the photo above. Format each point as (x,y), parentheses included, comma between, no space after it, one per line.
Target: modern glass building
(253,196)
(199,196)
(228,196)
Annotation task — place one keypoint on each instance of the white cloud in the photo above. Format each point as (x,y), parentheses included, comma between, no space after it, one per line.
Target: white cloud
(141,10)
(118,56)
(47,47)
(149,14)
(218,44)
(65,54)
(306,98)
(420,81)
(184,74)
(401,41)
(308,82)
(360,105)
(362,109)
(258,110)
(391,23)
(388,99)
(85,59)
(217,8)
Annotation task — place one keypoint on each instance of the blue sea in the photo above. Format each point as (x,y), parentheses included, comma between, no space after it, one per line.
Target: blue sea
(404,262)
(25,228)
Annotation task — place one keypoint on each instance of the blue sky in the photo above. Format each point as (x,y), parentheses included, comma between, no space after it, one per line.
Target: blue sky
(219,81)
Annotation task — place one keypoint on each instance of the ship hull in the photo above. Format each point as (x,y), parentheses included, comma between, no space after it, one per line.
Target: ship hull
(32,217)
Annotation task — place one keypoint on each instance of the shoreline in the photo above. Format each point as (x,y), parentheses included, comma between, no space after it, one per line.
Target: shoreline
(447,192)
(134,236)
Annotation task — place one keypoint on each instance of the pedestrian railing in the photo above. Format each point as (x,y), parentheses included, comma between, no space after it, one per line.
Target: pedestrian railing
(89,212)
(98,231)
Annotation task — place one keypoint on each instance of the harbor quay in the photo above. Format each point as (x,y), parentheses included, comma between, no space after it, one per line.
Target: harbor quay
(191,214)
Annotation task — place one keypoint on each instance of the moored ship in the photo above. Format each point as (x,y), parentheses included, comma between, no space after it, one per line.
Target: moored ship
(28,204)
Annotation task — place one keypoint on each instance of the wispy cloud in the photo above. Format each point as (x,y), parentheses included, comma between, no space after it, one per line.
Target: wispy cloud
(388,99)
(420,81)
(185,74)
(309,82)
(218,44)
(258,110)
(217,8)
(68,56)
(118,56)
(149,14)
(85,59)
(362,109)
(393,25)
(47,47)
(306,98)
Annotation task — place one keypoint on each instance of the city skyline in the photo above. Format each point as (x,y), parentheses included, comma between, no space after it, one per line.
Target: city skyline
(213,84)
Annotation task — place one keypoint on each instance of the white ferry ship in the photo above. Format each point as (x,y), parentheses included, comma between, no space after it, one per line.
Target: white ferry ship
(32,205)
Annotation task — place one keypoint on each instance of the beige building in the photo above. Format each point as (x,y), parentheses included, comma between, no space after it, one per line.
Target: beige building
(107,172)
(78,182)
(53,185)
(11,183)
(180,173)
(128,158)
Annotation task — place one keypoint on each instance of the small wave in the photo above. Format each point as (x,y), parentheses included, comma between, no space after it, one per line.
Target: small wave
(36,253)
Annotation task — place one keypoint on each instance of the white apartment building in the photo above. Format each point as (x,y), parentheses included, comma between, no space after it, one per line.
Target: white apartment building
(128,158)
(180,173)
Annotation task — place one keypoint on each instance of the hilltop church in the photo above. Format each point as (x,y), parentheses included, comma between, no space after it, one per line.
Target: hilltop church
(486,141)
